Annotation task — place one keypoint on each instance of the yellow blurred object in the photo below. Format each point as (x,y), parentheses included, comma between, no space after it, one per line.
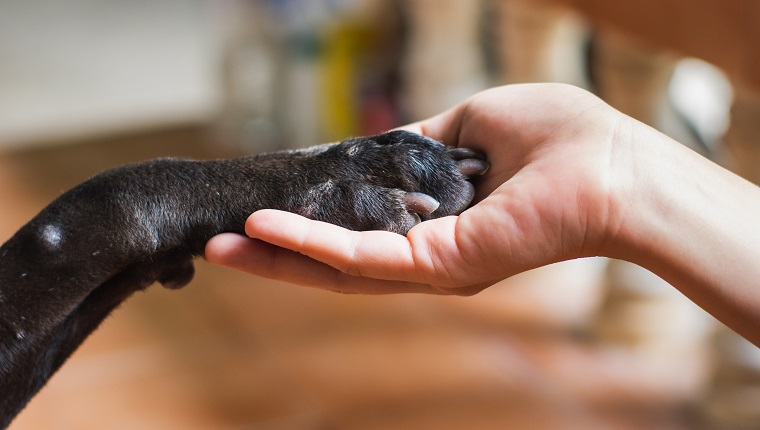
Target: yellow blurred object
(344,43)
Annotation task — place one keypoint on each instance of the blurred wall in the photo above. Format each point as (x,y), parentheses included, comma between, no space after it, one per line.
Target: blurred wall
(76,68)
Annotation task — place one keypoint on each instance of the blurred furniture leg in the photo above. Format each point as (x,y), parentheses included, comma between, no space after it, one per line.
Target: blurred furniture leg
(742,141)
(631,77)
(734,395)
(444,62)
(539,42)
(249,72)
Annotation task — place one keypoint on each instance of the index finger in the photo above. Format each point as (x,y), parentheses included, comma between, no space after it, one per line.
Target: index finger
(257,257)
(373,254)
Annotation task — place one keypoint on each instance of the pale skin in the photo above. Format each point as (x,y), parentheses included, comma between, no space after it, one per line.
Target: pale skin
(570,177)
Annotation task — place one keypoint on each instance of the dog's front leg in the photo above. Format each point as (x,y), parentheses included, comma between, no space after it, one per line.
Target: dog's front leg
(69,267)
(121,231)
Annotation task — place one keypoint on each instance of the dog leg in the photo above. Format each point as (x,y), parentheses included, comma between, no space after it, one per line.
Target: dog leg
(122,230)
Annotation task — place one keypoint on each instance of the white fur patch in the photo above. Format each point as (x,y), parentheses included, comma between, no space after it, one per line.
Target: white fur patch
(315,196)
(352,150)
(146,221)
(52,236)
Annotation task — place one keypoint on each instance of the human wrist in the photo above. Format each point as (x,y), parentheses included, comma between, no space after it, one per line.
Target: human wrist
(678,210)
(640,187)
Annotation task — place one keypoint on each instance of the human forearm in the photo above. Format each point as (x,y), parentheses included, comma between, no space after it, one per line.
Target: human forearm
(694,224)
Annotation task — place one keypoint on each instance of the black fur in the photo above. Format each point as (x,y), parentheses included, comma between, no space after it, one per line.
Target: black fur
(126,228)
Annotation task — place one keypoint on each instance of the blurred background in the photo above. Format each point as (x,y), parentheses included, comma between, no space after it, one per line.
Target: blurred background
(86,85)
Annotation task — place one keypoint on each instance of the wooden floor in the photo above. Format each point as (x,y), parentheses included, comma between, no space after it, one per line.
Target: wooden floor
(231,351)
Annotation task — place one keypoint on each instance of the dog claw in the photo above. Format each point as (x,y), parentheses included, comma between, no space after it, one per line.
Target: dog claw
(472,167)
(465,153)
(420,203)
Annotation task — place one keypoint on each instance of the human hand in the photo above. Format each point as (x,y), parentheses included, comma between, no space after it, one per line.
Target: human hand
(549,196)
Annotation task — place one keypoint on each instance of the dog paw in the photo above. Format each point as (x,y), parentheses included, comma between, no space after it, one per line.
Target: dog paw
(391,181)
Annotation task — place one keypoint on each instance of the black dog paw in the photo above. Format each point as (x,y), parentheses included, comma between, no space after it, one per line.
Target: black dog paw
(390,182)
